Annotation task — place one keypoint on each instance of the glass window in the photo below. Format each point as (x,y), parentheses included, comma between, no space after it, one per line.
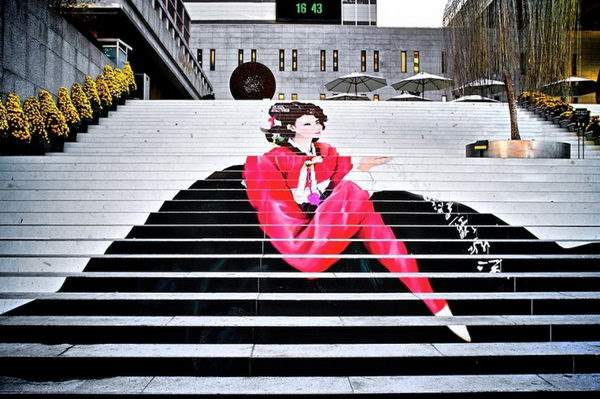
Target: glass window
(416,62)
(363,61)
(376,61)
(335,60)
(375,97)
(212,59)
(443,62)
(282,60)
(403,62)
(253,55)
(240,57)
(281,96)
(323,63)
(199,56)
(294,96)
(322,96)
(294,60)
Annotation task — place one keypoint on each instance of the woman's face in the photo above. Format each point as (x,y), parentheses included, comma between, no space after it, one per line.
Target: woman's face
(307,126)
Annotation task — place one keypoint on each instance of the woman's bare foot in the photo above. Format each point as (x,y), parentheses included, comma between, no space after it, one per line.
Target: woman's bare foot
(460,330)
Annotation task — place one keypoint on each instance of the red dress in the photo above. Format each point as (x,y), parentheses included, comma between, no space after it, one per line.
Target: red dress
(346,213)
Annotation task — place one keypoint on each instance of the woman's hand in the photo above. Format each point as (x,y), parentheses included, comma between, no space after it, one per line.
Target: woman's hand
(367,163)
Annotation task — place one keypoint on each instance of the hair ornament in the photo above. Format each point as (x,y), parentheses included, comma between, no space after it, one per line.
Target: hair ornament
(279,108)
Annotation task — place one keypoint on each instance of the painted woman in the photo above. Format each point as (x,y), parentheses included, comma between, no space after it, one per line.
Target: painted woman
(310,207)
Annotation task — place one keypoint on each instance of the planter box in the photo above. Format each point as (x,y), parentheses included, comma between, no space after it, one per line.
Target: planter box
(518,149)
(57,144)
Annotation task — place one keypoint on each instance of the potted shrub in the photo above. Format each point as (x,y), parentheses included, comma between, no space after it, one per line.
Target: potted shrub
(508,40)
(110,77)
(593,129)
(19,136)
(3,130)
(104,95)
(130,76)
(40,143)
(56,125)
(91,91)
(66,107)
(82,105)
(123,83)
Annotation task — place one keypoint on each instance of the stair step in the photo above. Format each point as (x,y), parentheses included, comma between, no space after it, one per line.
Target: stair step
(95,360)
(407,386)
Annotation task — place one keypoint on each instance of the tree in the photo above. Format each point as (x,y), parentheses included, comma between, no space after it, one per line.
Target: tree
(523,42)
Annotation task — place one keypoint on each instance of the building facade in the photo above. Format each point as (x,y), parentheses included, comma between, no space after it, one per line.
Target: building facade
(47,48)
(305,56)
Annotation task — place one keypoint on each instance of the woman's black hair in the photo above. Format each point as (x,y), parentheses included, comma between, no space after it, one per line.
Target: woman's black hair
(287,114)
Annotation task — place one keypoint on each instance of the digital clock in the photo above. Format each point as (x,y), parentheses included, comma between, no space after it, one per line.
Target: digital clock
(309,11)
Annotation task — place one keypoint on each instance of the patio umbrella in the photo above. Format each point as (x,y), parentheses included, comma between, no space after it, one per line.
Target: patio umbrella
(574,85)
(480,86)
(422,82)
(474,99)
(348,97)
(356,82)
(407,97)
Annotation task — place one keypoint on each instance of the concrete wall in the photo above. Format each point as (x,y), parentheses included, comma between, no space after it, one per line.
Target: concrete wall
(309,40)
(41,50)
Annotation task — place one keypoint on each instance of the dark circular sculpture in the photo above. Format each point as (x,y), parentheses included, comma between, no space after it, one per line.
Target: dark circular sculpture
(252,81)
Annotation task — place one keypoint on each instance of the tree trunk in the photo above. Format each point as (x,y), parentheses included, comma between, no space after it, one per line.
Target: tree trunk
(514,125)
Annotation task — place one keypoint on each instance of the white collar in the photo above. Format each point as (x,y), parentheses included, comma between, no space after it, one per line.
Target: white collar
(312,151)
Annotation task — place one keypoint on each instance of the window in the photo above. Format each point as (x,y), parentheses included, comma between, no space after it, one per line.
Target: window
(375,97)
(574,65)
(416,62)
(444,98)
(443,62)
(253,55)
(322,96)
(199,56)
(403,62)
(323,64)
(294,60)
(335,60)
(212,59)
(294,96)
(376,61)
(281,96)
(282,60)
(363,61)
(240,57)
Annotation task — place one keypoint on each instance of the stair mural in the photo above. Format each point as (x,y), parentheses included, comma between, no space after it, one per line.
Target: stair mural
(198,299)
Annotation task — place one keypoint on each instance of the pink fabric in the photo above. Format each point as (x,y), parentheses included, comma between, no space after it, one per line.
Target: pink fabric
(346,213)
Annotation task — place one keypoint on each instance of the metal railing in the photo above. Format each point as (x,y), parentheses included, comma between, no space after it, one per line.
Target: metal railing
(174,13)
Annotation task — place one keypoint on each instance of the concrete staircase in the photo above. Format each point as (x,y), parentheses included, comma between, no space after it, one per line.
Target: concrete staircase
(132,264)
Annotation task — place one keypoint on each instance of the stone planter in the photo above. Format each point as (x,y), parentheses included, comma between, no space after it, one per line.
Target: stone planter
(39,146)
(83,126)
(96,118)
(57,144)
(15,147)
(518,149)
(73,130)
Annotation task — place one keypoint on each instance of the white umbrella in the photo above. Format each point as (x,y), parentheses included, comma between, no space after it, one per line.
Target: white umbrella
(422,82)
(407,97)
(356,82)
(480,86)
(349,97)
(474,99)
(574,85)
